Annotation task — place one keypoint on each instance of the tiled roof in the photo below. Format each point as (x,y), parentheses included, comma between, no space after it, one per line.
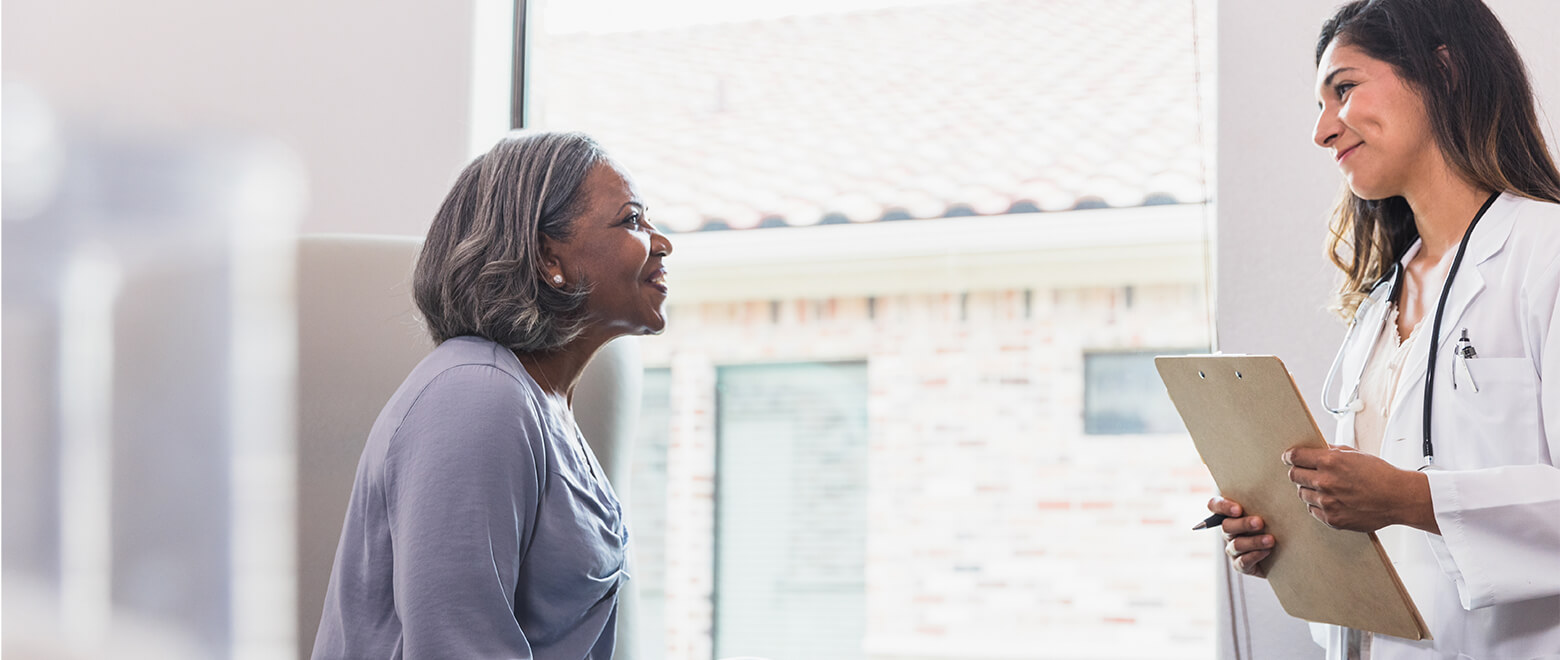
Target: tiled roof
(974,108)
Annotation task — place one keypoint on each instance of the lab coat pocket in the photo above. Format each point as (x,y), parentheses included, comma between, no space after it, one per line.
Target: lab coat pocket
(1500,405)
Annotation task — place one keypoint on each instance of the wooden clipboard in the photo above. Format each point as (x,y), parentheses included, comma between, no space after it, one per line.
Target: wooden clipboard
(1243,412)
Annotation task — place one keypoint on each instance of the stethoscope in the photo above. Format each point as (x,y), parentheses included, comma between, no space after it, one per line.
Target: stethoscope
(1394,280)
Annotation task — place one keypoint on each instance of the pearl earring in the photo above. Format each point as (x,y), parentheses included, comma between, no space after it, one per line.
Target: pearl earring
(558,279)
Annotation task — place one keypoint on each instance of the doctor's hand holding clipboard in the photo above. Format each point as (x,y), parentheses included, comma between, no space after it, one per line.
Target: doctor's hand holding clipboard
(1343,487)
(1448,238)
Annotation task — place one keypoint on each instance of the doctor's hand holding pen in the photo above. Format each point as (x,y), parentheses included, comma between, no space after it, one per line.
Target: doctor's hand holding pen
(1343,488)
(1245,542)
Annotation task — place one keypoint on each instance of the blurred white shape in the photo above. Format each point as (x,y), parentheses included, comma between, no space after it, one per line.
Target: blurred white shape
(800,212)
(270,184)
(33,158)
(86,365)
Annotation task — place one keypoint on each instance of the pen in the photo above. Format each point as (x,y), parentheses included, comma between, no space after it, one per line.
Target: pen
(1210,521)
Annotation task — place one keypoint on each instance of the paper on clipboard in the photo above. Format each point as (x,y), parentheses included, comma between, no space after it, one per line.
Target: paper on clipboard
(1243,412)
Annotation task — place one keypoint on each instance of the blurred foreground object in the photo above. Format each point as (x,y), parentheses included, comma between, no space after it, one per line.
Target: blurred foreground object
(149,358)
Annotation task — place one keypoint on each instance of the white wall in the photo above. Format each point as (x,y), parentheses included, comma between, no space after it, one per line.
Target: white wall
(372,94)
(1274,191)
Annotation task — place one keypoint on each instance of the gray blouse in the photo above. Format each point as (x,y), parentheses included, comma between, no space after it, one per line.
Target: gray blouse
(480,524)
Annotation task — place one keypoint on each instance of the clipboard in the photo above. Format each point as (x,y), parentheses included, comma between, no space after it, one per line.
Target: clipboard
(1243,412)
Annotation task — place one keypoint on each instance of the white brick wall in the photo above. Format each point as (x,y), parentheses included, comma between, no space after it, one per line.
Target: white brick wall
(998,529)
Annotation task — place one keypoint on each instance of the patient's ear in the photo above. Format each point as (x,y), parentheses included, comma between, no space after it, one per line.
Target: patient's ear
(551,263)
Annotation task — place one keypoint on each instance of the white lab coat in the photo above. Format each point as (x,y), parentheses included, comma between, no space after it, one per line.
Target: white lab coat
(1489,585)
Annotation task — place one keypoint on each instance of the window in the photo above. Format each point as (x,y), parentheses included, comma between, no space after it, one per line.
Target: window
(1122,394)
(791,511)
(905,230)
(647,508)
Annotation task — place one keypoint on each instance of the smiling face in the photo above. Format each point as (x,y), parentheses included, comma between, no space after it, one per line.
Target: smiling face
(616,252)
(1374,124)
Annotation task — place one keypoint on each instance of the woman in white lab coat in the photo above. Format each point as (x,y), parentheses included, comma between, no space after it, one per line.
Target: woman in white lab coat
(1448,236)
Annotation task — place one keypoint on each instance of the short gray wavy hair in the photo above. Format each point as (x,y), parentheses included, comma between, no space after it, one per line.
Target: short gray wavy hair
(480,269)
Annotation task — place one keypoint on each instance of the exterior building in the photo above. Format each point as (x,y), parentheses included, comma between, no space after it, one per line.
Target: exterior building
(979,517)
(905,407)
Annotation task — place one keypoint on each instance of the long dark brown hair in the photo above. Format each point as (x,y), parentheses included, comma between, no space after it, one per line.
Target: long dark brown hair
(1456,56)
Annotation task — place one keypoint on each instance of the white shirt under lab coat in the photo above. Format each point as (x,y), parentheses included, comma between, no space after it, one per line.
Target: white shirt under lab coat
(1489,585)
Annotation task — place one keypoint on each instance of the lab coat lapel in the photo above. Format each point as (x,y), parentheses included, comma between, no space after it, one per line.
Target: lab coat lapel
(1487,240)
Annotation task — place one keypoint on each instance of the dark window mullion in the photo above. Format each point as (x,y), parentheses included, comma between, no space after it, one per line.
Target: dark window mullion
(517,113)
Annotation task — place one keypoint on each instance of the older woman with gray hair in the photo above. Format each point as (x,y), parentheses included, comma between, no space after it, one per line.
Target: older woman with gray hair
(480,524)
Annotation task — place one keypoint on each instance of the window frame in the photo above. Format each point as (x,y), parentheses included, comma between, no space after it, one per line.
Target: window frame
(520,51)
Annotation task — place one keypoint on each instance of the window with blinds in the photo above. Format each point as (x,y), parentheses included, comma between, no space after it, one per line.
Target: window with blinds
(791,511)
(647,507)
